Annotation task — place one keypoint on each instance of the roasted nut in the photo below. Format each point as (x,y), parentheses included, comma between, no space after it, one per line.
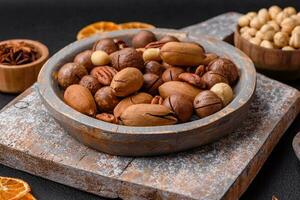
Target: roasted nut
(182,54)
(148,115)
(224,92)
(151,54)
(131,100)
(273,11)
(274,25)
(171,74)
(142,38)
(256,23)
(209,57)
(290,11)
(252,32)
(263,15)
(84,59)
(107,45)
(287,25)
(151,83)
(70,73)
(156,44)
(297,19)
(100,58)
(154,68)
(168,38)
(157,100)
(104,74)
(176,87)
(288,48)
(106,99)
(192,79)
(106,117)
(127,57)
(200,70)
(251,14)
(255,41)
(127,81)
(181,106)
(244,21)
(296,30)
(246,36)
(280,17)
(281,39)
(268,32)
(213,77)
(120,43)
(225,67)
(207,103)
(267,44)
(244,29)
(259,35)
(295,40)
(90,83)
(80,99)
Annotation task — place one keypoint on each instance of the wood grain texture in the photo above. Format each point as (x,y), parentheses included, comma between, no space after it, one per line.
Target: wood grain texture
(284,65)
(17,78)
(31,140)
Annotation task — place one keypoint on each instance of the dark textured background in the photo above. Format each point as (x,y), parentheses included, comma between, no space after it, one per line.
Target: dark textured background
(56,23)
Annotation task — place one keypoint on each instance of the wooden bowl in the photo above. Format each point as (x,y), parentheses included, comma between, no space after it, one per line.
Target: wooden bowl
(279,64)
(17,78)
(144,141)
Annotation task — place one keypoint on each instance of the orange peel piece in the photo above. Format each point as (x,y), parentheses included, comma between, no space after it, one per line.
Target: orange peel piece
(135,25)
(13,188)
(28,196)
(96,28)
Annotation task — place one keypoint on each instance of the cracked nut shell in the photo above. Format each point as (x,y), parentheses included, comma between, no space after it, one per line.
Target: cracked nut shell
(207,103)
(128,57)
(172,74)
(151,83)
(106,99)
(70,73)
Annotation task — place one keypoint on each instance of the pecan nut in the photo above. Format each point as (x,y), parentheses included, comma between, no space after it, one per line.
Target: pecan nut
(104,74)
(200,70)
(157,100)
(157,44)
(193,79)
(106,117)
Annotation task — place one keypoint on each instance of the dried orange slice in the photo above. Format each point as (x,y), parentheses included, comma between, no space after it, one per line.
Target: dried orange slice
(28,196)
(12,188)
(138,25)
(98,27)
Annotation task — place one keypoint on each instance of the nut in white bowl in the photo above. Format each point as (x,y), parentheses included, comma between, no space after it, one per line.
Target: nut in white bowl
(100,58)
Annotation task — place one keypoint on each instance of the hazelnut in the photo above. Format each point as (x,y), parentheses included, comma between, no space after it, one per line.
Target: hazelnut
(296,30)
(106,117)
(226,68)
(107,45)
(90,83)
(151,83)
(280,17)
(263,15)
(244,29)
(273,11)
(268,32)
(151,54)
(296,18)
(211,78)
(104,74)
(142,38)
(207,103)
(192,79)
(154,68)
(224,92)
(246,36)
(157,100)
(181,106)
(168,38)
(274,25)
(255,41)
(84,59)
(171,74)
(259,35)
(244,21)
(256,23)
(267,44)
(106,99)
(100,58)
(252,32)
(70,73)
(288,48)
(290,11)
(80,99)
(287,25)
(251,15)
(281,39)
(127,57)
(295,40)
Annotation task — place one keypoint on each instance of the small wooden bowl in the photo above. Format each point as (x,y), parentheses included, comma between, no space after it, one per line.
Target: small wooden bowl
(142,141)
(279,64)
(17,78)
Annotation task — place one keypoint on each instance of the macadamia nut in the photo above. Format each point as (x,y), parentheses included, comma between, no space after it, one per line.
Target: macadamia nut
(151,54)
(287,25)
(256,23)
(255,41)
(288,48)
(280,17)
(268,32)
(223,91)
(259,35)
(244,21)
(295,40)
(274,25)
(267,44)
(290,11)
(296,30)
(263,15)
(100,58)
(273,11)
(244,29)
(281,39)
(251,15)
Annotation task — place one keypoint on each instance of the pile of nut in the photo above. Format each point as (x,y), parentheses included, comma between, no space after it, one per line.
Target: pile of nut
(274,28)
(155,82)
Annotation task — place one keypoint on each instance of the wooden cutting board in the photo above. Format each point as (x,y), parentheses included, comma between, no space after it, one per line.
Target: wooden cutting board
(32,141)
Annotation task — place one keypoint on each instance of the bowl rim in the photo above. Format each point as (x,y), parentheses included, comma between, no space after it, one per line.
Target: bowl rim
(43,50)
(51,98)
